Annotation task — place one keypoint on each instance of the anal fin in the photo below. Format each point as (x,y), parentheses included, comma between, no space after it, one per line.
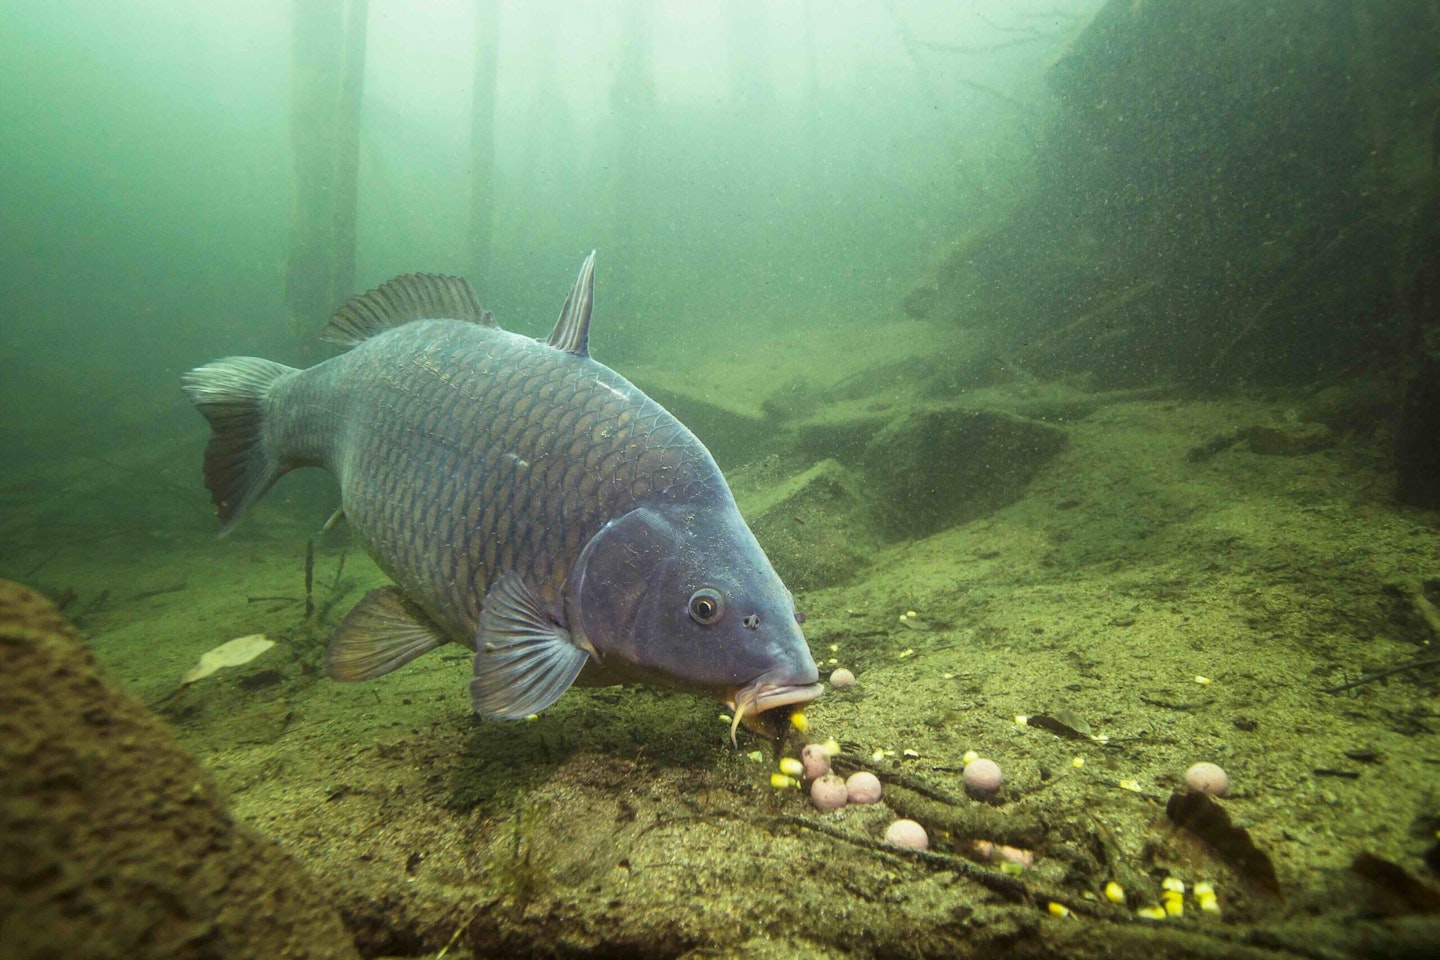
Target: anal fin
(385,631)
(523,660)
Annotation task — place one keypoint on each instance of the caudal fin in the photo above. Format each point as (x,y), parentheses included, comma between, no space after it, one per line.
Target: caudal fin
(238,467)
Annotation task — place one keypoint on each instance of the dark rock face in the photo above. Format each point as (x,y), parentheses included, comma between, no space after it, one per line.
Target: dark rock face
(1417,441)
(114,842)
(939,466)
(816,527)
(1195,216)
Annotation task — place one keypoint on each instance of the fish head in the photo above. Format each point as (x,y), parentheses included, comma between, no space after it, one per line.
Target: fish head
(686,597)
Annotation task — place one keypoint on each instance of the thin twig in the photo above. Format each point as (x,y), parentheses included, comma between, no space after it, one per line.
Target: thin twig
(1301,269)
(1424,609)
(309,576)
(1008,886)
(1381,674)
(43,560)
(172,588)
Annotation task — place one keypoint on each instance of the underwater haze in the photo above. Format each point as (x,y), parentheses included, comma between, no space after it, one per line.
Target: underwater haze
(770,159)
(1074,363)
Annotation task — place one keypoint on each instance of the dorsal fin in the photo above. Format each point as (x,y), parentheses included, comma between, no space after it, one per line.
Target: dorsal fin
(572,330)
(415,296)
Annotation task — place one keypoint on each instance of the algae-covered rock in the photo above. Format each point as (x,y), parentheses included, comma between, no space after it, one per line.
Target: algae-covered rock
(938,466)
(1287,442)
(816,526)
(113,841)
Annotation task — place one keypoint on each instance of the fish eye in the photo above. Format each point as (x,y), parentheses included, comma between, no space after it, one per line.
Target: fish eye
(705,606)
(799,616)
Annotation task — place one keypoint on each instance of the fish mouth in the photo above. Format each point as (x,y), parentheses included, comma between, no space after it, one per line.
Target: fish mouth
(753,699)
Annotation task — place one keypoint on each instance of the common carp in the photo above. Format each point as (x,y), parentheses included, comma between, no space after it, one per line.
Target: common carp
(526,500)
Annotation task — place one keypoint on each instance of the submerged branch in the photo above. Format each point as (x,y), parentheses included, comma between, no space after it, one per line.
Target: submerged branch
(1008,886)
(1382,674)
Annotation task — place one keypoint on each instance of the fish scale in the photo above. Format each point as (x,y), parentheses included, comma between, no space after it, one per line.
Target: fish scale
(526,500)
(482,410)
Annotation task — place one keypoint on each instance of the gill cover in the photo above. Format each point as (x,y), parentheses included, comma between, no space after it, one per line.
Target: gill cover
(610,580)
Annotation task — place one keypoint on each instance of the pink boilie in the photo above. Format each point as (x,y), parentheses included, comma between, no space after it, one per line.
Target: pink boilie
(1207,778)
(863,787)
(907,833)
(982,777)
(828,793)
(815,761)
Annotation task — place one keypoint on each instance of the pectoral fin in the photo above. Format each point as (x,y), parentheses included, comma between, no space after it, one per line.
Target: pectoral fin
(523,660)
(385,631)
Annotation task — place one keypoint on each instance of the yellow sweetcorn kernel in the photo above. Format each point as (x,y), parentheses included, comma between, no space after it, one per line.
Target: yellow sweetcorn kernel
(1173,885)
(792,767)
(798,721)
(782,782)
(1057,909)
(1151,913)
(1174,903)
(1114,892)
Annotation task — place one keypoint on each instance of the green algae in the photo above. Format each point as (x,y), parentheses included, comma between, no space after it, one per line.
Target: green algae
(623,817)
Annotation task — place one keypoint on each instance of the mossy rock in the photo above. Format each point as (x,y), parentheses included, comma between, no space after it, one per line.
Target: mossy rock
(816,526)
(939,466)
(113,841)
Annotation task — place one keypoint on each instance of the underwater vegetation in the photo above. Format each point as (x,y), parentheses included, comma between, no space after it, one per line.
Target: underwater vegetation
(1074,366)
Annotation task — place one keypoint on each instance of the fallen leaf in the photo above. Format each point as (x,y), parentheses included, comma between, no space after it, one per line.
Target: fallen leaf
(232,654)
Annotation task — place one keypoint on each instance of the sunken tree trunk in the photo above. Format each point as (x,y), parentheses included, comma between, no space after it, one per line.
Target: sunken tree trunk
(632,102)
(327,77)
(482,141)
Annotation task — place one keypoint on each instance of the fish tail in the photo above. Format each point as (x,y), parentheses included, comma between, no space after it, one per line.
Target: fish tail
(239,465)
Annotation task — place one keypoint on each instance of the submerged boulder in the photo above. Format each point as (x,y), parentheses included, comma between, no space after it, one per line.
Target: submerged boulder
(114,842)
(938,466)
(816,526)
